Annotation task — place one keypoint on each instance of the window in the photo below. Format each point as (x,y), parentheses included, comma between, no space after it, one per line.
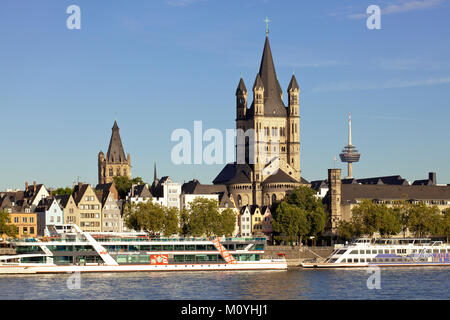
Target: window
(31,230)
(16,219)
(24,219)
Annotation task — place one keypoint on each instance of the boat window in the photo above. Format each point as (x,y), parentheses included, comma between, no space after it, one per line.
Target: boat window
(212,257)
(363,260)
(179,247)
(341,251)
(210,247)
(435,250)
(200,247)
(374,251)
(333,260)
(120,259)
(442,250)
(189,258)
(155,248)
(145,248)
(144,259)
(386,251)
(190,247)
(178,258)
(355,260)
(367,251)
(354,252)
(168,247)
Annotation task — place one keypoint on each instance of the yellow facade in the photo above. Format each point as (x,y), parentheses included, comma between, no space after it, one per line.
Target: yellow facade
(26,223)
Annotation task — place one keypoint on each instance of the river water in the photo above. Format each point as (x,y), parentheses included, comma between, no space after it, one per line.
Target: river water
(295,284)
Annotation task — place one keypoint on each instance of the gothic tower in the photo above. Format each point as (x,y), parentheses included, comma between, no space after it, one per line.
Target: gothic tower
(268,150)
(115,164)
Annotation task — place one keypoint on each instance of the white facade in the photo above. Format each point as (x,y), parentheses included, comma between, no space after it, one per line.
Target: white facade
(245,222)
(171,194)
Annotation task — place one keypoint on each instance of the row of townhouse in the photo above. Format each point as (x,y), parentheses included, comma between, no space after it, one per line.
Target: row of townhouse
(36,212)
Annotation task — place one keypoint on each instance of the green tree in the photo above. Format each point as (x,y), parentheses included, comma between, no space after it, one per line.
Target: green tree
(227,222)
(171,222)
(6,228)
(391,222)
(123,184)
(367,217)
(446,224)
(204,217)
(63,191)
(147,216)
(345,230)
(423,220)
(290,222)
(311,215)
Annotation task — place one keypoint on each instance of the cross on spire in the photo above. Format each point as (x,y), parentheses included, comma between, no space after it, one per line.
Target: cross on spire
(267,25)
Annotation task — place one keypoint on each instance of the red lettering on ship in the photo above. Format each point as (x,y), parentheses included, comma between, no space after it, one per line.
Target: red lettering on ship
(159,259)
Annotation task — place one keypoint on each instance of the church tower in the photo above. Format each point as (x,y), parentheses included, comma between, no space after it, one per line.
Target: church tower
(115,164)
(271,139)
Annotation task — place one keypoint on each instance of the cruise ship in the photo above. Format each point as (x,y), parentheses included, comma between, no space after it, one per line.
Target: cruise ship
(73,250)
(387,252)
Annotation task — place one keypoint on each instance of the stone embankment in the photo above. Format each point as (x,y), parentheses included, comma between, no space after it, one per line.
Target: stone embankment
(297,254)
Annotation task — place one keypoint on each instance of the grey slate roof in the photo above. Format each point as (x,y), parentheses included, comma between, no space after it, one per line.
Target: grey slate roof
(280,176)
(115,150)
(389,180)
(273,104)
(293,85)
(241,89)
(351,192)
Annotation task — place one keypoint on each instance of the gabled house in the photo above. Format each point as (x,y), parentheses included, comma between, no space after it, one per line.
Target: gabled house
(71,212)
(90,207)
(245,222)
(111,210)
(257,220)
(53,215)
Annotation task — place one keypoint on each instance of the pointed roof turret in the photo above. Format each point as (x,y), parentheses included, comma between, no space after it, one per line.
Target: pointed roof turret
(293,85)
(258,83)
(115,150)
(241,89)
(268,73)
(155,176)
(273,103)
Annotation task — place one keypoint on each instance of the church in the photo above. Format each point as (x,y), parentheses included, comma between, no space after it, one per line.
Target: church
(115,164)
(269,166)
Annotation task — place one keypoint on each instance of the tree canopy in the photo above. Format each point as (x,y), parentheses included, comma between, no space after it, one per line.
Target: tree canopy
(123,184)
(152,218)
(369,217)
(63,191)
(6,228)
(298,215)
(204,217)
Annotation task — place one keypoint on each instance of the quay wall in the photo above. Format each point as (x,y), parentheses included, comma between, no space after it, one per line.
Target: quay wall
(297,254)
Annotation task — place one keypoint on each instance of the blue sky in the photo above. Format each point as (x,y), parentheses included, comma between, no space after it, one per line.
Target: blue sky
(162,64)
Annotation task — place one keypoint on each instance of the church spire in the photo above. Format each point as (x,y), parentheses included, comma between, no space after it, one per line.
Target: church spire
(155,176)
(115,150)
(268,74)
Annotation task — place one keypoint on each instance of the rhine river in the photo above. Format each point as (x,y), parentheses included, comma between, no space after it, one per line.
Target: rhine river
(294,284)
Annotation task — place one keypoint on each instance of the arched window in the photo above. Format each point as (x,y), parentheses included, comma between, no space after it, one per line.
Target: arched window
(239,201)
(274,198)
(111,173)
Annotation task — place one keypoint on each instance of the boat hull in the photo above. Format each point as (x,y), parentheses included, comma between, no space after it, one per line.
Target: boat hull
(366,265)
(39,269)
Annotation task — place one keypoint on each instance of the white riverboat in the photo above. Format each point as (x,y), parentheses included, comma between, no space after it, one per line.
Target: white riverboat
(78,251)
(387,252)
